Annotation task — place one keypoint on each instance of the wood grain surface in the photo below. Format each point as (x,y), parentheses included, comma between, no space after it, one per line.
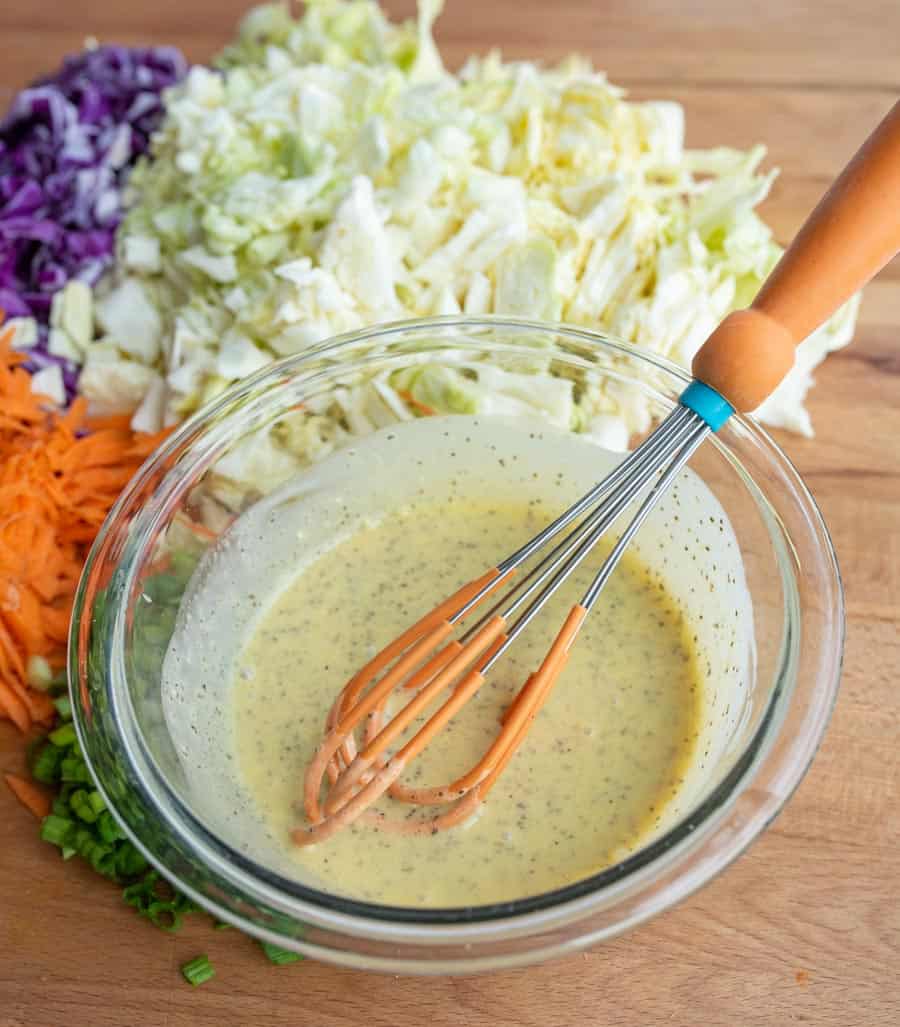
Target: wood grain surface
(806,926)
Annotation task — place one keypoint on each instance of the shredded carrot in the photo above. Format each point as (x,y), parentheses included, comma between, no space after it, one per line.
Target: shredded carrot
(29,794)
(416,404)
(200,530)
(12,707)
(60,472)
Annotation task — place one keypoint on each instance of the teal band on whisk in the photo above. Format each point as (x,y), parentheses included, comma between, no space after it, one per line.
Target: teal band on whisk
(709,404)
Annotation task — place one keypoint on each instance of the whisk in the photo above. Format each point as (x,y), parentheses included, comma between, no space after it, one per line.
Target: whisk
(850,235)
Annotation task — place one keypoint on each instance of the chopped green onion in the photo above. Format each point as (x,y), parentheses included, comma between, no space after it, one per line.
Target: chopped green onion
(39,673)
(98,856)
(80,823)
(154,898)
(89,848)
(164,915)
(167,587)
(64,735)
(108,829)
(134,894)
(83,839)
(142,892)
(198,970)
(129,861)
(220,925)
(56,830)
(75,769)
(278,955)
(82,806)
(45,766)
(107,866)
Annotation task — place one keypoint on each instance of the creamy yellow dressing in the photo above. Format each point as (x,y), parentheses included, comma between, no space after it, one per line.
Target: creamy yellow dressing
(592,779)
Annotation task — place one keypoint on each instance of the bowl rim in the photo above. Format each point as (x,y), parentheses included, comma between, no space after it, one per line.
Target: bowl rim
(381,920)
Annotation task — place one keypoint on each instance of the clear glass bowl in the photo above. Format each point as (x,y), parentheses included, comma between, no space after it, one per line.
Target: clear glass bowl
(118,641)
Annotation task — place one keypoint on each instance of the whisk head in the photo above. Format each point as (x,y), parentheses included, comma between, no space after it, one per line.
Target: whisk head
(363,755)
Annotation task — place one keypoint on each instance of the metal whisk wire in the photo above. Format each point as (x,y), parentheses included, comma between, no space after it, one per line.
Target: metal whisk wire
(680,435)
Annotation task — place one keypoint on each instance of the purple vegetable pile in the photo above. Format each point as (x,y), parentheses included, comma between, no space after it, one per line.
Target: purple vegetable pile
(66,145)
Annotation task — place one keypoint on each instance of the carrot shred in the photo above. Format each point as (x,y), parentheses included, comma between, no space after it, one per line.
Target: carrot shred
(416,404)
(60,472)
(12,707)
(29,794)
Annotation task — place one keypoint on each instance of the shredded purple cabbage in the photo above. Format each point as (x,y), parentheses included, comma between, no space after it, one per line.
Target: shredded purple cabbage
(66,146)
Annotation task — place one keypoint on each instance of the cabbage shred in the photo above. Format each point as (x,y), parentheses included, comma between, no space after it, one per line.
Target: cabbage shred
(329,174)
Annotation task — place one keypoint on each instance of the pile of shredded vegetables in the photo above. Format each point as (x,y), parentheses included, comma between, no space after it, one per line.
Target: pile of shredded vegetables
(60,472)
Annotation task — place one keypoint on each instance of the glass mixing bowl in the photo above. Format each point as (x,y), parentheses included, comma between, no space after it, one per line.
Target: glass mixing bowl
(174,511)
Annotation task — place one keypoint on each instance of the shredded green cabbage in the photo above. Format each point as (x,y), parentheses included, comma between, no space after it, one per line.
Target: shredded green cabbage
(331,174)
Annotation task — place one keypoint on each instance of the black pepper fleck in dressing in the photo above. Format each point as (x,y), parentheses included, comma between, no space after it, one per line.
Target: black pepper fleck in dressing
(596,771)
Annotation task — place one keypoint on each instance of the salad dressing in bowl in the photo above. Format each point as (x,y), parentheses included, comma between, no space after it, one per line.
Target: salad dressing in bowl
(595,772)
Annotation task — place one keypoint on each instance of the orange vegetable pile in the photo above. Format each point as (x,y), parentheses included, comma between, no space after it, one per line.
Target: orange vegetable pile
(60,472)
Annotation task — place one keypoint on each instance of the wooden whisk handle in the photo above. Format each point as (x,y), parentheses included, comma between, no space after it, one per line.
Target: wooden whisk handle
(853,232)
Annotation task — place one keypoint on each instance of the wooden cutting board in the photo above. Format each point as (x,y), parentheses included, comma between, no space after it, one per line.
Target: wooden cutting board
(804,927)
